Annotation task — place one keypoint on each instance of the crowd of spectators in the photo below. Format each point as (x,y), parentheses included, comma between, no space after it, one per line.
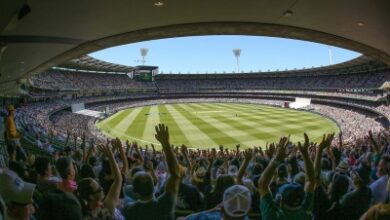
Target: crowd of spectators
(184,83)
(86,83)
(283,180)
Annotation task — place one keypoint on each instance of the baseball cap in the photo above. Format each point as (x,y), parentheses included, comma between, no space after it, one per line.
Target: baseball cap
(292,195)
(237,201)
(14,189)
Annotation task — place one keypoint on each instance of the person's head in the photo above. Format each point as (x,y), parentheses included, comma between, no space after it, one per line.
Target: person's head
(236,202)
(377,212)
(282,171)
(43,166)
(232,170)
(257,169)
(92,161)
(223,182)
(19,168)
(17,195)
(10,109)
(197,178)
(384,166)
(143,185)
(343,167)
(291,196)
(134,171)
(338,187)
(59,205)
(66,168)
(90,193)
(360,176)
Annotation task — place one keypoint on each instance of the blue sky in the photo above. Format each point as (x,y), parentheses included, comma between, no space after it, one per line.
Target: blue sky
(211,54)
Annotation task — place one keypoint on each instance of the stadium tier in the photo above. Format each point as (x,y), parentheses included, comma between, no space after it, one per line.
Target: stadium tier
(64,109)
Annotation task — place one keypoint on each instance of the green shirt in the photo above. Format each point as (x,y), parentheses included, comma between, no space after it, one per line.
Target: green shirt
(271,211)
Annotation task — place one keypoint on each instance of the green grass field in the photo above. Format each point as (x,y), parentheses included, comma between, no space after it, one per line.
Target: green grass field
(205,125)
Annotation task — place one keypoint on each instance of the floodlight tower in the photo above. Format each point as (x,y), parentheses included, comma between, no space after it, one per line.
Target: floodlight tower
(330,55)
(144,52)
(237,53)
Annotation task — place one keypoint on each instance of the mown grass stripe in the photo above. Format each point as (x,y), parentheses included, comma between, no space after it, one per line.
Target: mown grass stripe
(193,133)
(174,127)
(136,129)
(152,119)
(215,133)
(128,119)
(208,124)
(116,118)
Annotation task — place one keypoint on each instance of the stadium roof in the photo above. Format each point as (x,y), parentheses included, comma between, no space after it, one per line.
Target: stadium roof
(36,35)
(92,64)
(357,65)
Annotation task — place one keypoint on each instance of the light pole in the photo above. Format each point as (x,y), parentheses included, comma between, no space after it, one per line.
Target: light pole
(144,52)
(237,53)
(330,55)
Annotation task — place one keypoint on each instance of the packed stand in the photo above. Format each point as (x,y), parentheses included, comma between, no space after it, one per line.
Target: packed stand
(87,82)
(284,180)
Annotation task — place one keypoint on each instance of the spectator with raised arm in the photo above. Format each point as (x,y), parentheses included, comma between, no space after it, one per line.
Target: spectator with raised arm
(94,203)
(295,202)
(147,207)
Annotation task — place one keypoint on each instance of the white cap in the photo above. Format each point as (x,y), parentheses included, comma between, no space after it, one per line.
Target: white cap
(14,189)
(237,201)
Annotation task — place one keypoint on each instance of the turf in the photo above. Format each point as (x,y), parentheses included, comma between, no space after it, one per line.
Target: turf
(205,125)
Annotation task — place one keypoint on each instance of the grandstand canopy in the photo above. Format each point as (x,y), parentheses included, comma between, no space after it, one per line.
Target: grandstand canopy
(36,35)
(91,64)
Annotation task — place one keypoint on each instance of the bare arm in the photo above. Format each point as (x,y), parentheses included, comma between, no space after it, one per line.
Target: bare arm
(309,168)
(135,146)
(241,172)
(172,185)
(184,151)
(112,196)
(325,143)
(268,173)
(125,167)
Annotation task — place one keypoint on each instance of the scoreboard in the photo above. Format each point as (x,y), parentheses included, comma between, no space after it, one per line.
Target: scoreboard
(144,73)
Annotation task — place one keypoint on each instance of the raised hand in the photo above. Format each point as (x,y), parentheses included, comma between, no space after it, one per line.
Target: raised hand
(221,149)
(326,141)
(105,150)
(269,151)
(248,154)
(135,145)
(184,149)
(305,147)
(149,166)
(281,149)
(118,144)
(162,135)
